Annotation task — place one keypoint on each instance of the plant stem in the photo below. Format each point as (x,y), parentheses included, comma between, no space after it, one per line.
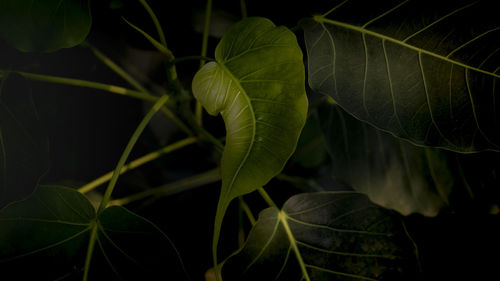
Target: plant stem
(206,31)
(186,58)
(137,163)
(173,188)
(88,84)
(115,67)
(243,8)
(172,78)
(118,70)
(244,206)
(204,47)
(128,149)
(90,250)
(159,46)
(267,198)
(156,22)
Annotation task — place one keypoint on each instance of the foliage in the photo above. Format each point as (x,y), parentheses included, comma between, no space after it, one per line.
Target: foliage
(397,124)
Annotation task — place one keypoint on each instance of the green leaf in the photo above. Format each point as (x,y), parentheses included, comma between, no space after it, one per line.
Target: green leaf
(23,143)
(257,84)
(399,175)
(44,25)
(51,229)
(325,236)
(422,70)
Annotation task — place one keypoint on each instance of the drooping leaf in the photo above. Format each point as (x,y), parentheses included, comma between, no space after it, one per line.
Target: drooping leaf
(325,236)
(425,71)
(257,84)
(399,175)
(44,25)
(23,143)
(51,229)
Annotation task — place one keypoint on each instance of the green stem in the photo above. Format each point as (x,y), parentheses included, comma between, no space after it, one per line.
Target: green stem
(128,149)
(88,84)
(155,21)
(172,78)
(206,31)
(115,67)
(137,163)
(159,46)
(90,250)
(186,58)
(247,211)
(243,7)
(118,70)
(267,198)
(173,188)
(204,47)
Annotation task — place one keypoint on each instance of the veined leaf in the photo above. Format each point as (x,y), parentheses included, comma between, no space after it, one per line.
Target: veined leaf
(425,71)
(257,84)
(23,142)
(325,236)
(399,175)
(51,229)
(44,25)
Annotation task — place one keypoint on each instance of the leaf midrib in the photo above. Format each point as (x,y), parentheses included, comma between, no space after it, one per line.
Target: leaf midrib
(362,30)
(253,123)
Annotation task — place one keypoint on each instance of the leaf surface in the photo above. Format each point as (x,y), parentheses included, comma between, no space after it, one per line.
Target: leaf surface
(324,236)
(399,175)
(422,70)
(257,84)
(51,229)
(44,25)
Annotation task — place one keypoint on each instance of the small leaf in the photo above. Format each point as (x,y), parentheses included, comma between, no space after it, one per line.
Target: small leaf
(51,229)
(325,236)
(44,25)
(399,175)
(422,70)
(257,84)
(24,155)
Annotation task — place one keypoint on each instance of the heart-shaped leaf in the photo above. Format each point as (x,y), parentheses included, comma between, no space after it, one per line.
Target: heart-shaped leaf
(399,175)
(325,236)
(257,84)
(44,25)
(423,70)
(23,143)
(52,228)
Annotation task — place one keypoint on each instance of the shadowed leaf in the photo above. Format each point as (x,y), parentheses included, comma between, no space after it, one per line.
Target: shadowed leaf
(422,70)
(51,229)
(325,236)
(44,25)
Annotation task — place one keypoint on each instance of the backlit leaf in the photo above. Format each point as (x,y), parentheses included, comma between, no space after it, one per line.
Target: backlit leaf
(257,84)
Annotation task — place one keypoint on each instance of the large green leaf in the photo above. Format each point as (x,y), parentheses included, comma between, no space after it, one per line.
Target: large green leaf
(44,25)
(424,70)
(257,84)
(325,236)
(23,142)
(51,230)
(399,175)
